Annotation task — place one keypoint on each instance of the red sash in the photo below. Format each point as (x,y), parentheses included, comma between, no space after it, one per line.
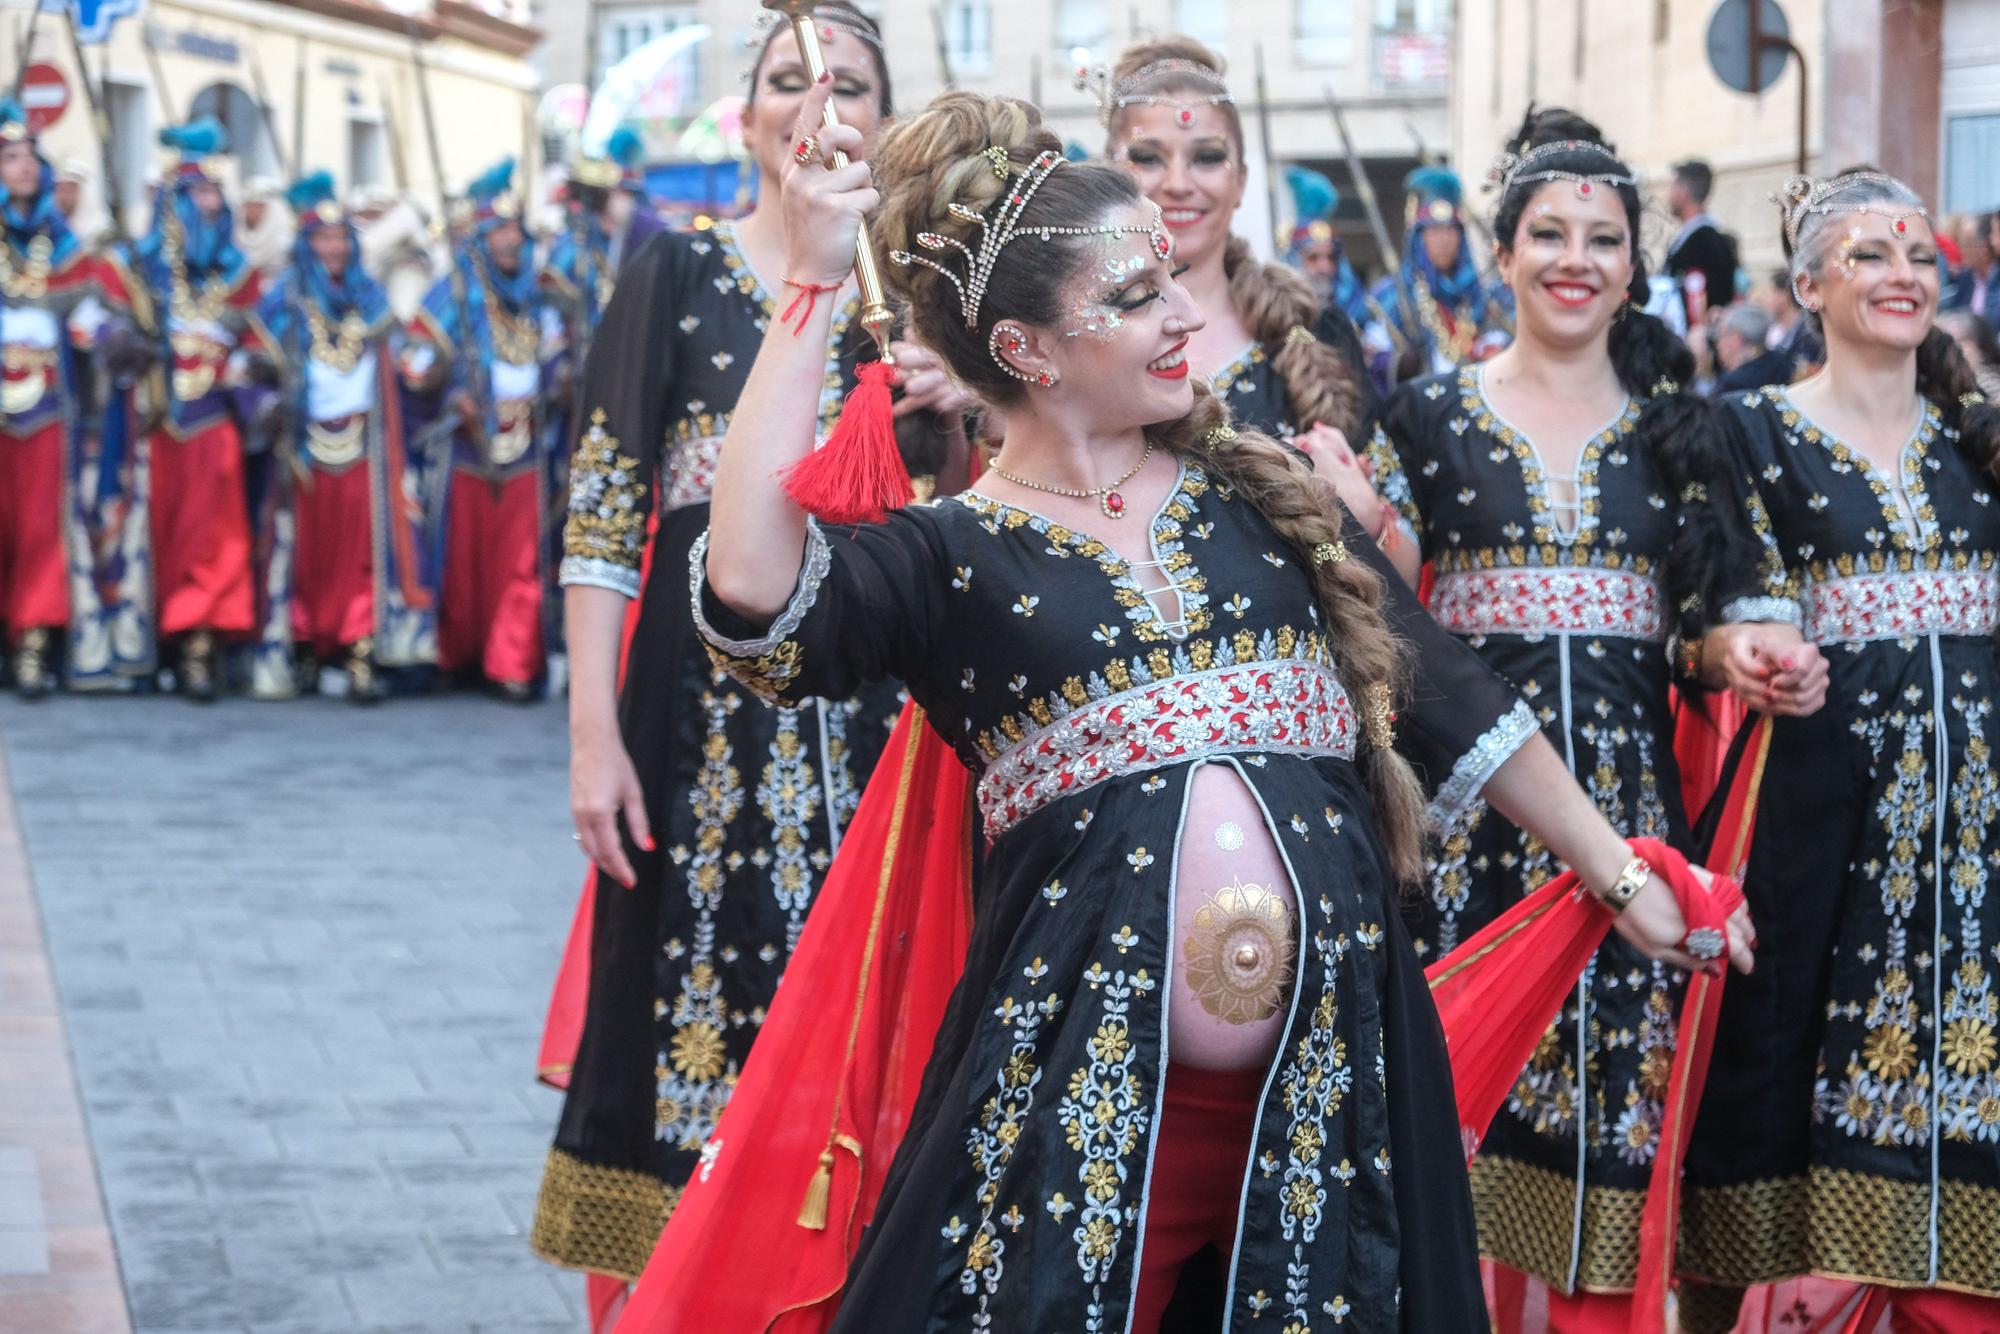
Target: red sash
(1498,993)
(763,1235)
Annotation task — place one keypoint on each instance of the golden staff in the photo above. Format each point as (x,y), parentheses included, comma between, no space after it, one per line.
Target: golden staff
(876,317)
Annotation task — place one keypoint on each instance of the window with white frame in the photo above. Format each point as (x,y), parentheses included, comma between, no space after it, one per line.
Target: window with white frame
(1412,15)
(1080,27)
(1972,163)
(1323,31)
(968,36)
(1207,21)
(621,30)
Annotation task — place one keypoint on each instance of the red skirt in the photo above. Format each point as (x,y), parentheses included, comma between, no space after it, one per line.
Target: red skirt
(333,580)
(34,584)
(201,532)
(490,614)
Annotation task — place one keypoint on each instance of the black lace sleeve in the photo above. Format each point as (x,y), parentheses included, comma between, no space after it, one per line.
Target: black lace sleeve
(869,605)
(627,382)
(1394,453)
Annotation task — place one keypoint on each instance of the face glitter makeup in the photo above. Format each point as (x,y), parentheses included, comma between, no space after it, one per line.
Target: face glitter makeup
(1090,313)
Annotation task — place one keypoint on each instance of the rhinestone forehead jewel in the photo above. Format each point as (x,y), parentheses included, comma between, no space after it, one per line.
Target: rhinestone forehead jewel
(1130,90)
(1511,169)
(1803,196)
(1004,228)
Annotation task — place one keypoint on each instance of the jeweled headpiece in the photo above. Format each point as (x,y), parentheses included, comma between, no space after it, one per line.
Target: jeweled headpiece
(1512,169)
(1803,196)
(828,21)
(1004,227)
(1132,90)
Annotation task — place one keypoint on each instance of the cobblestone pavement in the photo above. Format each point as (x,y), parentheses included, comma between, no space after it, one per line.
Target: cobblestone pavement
(303,952)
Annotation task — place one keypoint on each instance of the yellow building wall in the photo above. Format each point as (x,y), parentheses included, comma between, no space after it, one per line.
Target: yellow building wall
(483,100)
(1639,69)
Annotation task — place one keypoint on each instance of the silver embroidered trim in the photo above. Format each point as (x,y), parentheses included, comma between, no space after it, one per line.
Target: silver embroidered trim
(593,572)
(1550,600)
(1764,609)
(690,471)
(812,571)
(1286,706)
(1474,768)
(1899,604)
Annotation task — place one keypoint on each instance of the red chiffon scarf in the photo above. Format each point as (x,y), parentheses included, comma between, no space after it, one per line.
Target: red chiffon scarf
(763,1235)
(1498,993)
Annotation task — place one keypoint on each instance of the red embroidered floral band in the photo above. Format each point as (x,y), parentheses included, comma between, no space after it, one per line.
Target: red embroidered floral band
(1294,707)
(1550,601)
(1897,605)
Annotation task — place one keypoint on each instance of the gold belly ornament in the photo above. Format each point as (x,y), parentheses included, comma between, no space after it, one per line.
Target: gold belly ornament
(1239,953)
(337,444)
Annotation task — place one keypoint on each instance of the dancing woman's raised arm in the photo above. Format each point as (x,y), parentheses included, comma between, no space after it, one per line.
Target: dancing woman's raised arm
(757,536)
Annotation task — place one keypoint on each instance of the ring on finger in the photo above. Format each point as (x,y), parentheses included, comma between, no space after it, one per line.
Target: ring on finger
(806,150)
(1706,943)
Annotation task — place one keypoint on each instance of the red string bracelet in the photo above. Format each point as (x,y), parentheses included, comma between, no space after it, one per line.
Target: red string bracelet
(809,293)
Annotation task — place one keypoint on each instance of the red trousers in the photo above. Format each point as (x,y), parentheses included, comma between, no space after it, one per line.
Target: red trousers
(490,612)
(201,532)
(1196,1182)
(34,581)
(333,569)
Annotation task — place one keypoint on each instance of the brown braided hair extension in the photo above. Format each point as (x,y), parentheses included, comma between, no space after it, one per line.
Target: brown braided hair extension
(938,157)
(1272,300)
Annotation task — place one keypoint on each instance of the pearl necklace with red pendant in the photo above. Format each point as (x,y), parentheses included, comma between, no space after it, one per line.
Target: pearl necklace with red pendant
(1108,498)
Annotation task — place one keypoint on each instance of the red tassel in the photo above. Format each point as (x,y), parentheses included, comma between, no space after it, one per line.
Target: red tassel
(857,476)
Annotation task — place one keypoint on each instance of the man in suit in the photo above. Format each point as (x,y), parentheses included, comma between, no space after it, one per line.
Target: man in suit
(1975,285)
(1743,361)
(1702,258)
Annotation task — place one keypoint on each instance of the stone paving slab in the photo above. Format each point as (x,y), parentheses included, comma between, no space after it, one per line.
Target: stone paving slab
(303,952)
(57,1271)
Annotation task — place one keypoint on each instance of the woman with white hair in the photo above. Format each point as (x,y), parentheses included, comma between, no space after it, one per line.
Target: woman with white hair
(1851,1124)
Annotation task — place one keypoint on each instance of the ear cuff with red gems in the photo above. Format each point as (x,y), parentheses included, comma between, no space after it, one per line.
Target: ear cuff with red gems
(1008,339)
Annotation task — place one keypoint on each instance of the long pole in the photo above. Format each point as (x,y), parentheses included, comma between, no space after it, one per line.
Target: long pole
(876,317)
(1264,134)
(1372,207)
(159,74)
(943,47)
(114,193)
(475,366)
(270,116)
(397,162)
(299,103)
(28,50)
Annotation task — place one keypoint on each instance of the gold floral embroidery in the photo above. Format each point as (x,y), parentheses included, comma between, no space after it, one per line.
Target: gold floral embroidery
(605,533)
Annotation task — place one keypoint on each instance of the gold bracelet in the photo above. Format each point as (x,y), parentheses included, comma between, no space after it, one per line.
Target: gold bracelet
(1627,886)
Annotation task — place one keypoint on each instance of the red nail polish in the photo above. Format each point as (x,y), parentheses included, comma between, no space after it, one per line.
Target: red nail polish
(827,77)
(652,845)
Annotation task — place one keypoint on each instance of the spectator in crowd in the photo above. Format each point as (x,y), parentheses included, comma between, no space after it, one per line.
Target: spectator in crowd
(1974,336)
(1975,285)
(1702,258)
(1744,360)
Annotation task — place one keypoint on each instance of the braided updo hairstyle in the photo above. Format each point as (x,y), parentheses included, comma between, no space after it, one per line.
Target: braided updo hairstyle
(1680,431)
(937,158)
(1943,374)
(1271,300)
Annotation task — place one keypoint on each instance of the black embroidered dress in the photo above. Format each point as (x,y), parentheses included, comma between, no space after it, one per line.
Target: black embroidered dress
(1573,611)
(1017,1199)
(1851,1124)
(746,801)
(1251,387)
